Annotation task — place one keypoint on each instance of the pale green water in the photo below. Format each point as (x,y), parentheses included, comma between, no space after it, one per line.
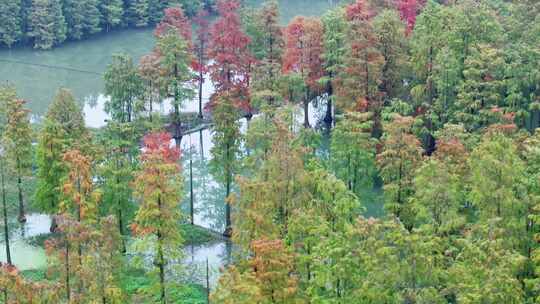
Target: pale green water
(38,84)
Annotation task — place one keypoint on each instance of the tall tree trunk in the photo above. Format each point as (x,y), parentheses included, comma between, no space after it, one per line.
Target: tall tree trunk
(22,217)
(4,203)
(68,287)
(228,173)
(163,298)
(201,79)
(161,261)
(191,194)
(328,117)
(121,230)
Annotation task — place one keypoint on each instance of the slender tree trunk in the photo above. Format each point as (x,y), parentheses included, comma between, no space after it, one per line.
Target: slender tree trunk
(121,230)
(228,173)
(6,228)
(160,263)
(191,194)
(163,298)
(201,79)
(68,287)
(22,217)
(330,90)
(207,283)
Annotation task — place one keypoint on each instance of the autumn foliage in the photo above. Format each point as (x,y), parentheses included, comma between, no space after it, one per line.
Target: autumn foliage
(175,20)
(303,50)
(231,60)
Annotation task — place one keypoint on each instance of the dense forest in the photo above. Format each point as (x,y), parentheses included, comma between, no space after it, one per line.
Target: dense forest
(48,23)
(436,104)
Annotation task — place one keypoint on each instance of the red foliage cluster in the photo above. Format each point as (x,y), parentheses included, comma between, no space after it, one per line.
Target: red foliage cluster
(174,19)
(358,11)
(232,61)
(159,144)
(408,10)
(303,50)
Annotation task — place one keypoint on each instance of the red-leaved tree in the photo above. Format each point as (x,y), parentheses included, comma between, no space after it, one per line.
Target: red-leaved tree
(174,19)
(303,56)
(231,59)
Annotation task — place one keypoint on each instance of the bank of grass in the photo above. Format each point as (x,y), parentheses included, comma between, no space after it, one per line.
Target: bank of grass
(136,282)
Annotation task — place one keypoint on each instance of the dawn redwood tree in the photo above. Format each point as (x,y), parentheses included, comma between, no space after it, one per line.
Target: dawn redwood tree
(121,147)
(153,82)
(138,13)
(174,19)
(393,46)
(437,195)
(335,27)
(51,169)
(4,209)
(79,198)
(400,156)
(202,38)
(303,56)
(267,71)
(82,18)
(226,149)
(408,10)
(360,78)
(496,182)
(46,22)
(231,59)
(158,187)
(74,14)
(10,22)
(17,142)
(66,111)
(174,46)
(268,199)
(123,84)
(175,64)
(353,151)
(112,12)
(6,93)
(273,267)
(63,129)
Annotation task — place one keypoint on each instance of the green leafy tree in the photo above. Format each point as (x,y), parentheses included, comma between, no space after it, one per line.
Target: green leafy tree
(335,29)
(353,151)
(17,141)
(175,64)
(124,86)
(117,169)
(67,112)
(63,129)
(390,32)
(47,23)
(401,155)
(138,13)
(437,196)
(482,88)
(267,46)
(497,186)
(112,12)
(158,187)
(10,22)
(226,149)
